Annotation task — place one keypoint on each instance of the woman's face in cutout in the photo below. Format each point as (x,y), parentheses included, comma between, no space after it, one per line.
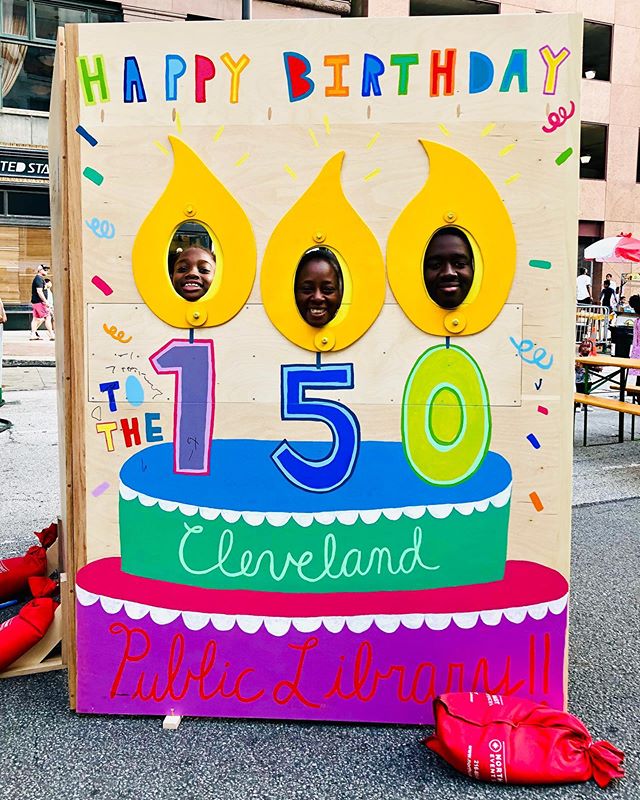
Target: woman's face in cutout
(448,270)
(193,272)
(318,293)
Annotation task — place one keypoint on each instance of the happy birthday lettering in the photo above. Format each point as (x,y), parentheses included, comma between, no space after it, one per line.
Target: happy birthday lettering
(337,75)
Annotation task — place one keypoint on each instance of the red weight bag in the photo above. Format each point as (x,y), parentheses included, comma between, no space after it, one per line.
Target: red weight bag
(20,633)
(513,740)
(15,572)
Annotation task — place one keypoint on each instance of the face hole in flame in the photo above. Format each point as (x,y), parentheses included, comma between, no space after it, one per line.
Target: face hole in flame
(319,286)
(452,267)
(193,261)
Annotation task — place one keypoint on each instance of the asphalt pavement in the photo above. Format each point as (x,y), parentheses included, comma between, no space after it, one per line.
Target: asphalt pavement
(47,751)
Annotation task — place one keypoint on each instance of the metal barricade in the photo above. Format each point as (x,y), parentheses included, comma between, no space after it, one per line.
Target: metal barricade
(592,322)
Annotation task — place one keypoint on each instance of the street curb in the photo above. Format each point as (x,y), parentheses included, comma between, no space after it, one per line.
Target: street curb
(27,362)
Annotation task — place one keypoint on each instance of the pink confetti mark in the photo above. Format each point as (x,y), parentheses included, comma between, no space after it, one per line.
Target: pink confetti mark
(543,410)
(100,489)
(102,285)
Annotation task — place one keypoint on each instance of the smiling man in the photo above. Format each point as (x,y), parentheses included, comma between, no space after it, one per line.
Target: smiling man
(192,272)
(448,267)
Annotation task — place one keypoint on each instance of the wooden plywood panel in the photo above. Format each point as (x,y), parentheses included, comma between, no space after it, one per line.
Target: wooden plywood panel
(489,425)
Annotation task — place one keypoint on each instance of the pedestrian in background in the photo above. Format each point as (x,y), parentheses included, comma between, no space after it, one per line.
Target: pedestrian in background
(41,311)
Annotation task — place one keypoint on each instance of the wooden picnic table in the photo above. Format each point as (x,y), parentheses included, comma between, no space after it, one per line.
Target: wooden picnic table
(621,366)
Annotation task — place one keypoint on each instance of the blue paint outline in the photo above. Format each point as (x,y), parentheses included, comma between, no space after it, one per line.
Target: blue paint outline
(295,380)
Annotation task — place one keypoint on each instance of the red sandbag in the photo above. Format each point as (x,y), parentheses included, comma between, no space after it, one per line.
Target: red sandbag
(513,740)
(20,633)
(48,535)
(41,586)
(15,572)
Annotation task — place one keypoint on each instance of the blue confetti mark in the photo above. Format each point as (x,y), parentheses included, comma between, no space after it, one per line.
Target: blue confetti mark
(531,438)
(87,136)
(102,228)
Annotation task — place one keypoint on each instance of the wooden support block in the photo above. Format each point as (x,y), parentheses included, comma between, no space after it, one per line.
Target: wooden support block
(171,722)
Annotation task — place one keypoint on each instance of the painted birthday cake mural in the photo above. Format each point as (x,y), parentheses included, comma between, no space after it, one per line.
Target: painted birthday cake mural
(356,567)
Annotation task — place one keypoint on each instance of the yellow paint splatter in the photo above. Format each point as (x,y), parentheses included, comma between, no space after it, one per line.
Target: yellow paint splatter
(178,122)
(314,138)
(373,140)
(507,149)
(241,160)
(372,174)
(488,128)
(512,178)
(218,133)
(444,129)
(288,169)
(327,127)
(161,148)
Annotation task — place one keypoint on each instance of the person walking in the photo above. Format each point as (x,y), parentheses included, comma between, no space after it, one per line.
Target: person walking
(41,311)
(583,288)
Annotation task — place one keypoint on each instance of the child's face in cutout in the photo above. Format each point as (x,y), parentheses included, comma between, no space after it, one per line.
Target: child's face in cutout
(193,272)
(317,291)
(584,349)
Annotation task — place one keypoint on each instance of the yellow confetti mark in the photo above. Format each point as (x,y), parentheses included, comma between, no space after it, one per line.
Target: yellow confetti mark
(314,138)
(178,122)
(327,127)
(241,160)
(288,169)
(512,178)
(218,133)
(161,148)
(444,129)
(507,149)
(372,174)
(373,140)
(488,128)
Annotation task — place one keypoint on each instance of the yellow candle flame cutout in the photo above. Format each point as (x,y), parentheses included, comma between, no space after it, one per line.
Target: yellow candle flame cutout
(195,194)
(456,193)
(324,217)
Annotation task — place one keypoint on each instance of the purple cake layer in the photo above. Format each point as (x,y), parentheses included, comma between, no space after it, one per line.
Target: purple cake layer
(137,655)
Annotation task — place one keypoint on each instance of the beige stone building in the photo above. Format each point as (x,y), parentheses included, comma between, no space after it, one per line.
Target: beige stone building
(609,151)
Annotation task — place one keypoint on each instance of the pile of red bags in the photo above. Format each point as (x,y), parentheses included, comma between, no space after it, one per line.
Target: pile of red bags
(513,740)
(17,576)
(15,572)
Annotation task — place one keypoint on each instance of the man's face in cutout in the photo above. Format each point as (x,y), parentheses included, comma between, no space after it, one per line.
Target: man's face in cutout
(193,272)
(318,293)
(448,270)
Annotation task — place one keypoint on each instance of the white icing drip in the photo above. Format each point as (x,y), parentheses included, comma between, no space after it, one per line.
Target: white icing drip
(348,517)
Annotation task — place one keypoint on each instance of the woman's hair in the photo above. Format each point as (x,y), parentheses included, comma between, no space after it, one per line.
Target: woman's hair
(322,254)
(634,302)
(173,257)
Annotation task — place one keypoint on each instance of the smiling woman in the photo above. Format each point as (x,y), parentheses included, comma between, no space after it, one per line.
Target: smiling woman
(319,286)
(192,271)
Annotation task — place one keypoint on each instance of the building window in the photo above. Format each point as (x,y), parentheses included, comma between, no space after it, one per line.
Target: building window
(593,150)
(27,47)
(596,51)
(23,201)
(441,8)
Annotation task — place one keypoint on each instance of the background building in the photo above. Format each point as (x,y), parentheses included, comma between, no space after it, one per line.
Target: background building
(609,150)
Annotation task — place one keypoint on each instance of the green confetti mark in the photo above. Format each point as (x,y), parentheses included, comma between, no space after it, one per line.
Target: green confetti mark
(539,264)
(564,156)
(93,175)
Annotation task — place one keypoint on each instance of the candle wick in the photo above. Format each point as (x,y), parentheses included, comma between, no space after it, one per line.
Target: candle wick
(318,359)
(447,342)
(192,332)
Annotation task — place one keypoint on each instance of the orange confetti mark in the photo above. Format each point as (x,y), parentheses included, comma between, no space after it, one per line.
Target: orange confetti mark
(537,502)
